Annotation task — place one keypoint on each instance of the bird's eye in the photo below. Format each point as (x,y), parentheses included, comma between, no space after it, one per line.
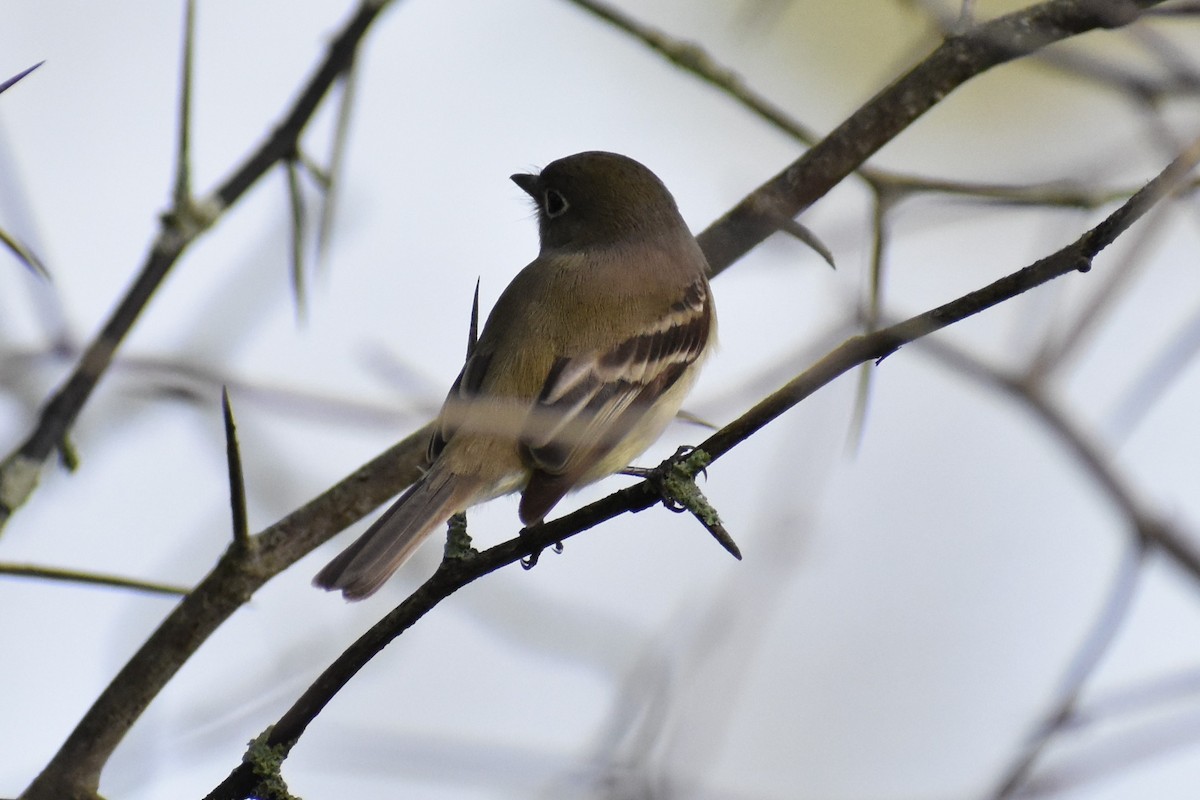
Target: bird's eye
(555,203)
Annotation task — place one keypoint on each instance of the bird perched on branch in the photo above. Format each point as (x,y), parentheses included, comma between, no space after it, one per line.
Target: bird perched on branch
(585,358)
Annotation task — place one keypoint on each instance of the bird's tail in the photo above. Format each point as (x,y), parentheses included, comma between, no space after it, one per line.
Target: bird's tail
(360,569)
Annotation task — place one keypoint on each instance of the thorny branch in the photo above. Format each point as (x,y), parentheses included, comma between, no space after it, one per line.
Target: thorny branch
(453,574)
(75,770)
(187,220)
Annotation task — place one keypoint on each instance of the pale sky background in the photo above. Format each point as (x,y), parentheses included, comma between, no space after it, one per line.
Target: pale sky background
(903,614)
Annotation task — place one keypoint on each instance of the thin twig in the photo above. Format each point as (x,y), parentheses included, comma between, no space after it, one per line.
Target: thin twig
(9,83)
(692,58)
(182,193)
(473,328)
(452,575)
(15,245)
(24,254)
(1076,256)
(1171,690)
(956,60)
(881,205)
(92,578)
(298,219)
(237,480)
(75,769)
(1108,757)
(337,158)
(19,471)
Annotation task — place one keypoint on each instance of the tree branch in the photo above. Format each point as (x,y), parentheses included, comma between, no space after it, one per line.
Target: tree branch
(75,769)
(181,226)
(958,59)
(455,573)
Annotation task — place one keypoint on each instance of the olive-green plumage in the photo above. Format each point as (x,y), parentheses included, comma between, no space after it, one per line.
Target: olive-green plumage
(584,359)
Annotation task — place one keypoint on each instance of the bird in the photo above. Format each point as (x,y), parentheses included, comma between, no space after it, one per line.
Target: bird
(585,358)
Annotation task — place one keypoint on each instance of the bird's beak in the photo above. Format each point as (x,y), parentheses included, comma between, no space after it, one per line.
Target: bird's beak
(527,182)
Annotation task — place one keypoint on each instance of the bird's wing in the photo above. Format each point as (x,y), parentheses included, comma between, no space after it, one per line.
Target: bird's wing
(591,402)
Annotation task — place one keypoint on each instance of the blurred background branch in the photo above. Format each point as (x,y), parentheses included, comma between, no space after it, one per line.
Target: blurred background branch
(670,741)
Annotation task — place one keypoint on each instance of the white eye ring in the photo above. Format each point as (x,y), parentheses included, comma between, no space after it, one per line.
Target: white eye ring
(554,203)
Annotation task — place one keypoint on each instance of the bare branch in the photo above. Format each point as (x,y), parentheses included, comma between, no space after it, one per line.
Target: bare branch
(182,193)
(23,254)
(298,217)
(11,81)
(182,226)
(337,157)
(957,60)
(1076,256)
(74,771)
(237,481)
(453,574)
(92,578)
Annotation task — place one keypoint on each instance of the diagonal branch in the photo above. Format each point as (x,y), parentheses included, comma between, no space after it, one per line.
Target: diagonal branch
(1076,256)
(455,573)
(958,59)
(691,58)
(23,253)
(91,578)
(7,84)
(181,226)
(182,192)
(74,771)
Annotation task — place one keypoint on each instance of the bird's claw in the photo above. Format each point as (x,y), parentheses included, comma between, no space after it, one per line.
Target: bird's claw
(530,561)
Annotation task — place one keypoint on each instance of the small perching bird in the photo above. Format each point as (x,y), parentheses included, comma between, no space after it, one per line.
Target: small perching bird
(585,358)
